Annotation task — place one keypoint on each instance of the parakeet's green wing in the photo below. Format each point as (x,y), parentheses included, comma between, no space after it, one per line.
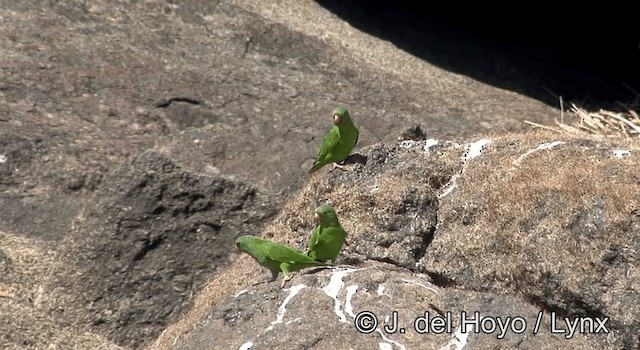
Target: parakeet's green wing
(350,135)
(329,144)
(314,239)
(288,255)
(328,237)
(357,136)
(274,256)
(329,243)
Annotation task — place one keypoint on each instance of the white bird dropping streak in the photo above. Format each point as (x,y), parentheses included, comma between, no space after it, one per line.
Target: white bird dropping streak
(406,144)
(294,320)
(429,143)
(474,149)
(385,346)
(348,308)
(544,146)
(550,145)
(458,341)
(388,346)
(450,186)
(381,289)
(246,346)
(283,308)
(621,153)
(419,284)
(333,289)
(240,293)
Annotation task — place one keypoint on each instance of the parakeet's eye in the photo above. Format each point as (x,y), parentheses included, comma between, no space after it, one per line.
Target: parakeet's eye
(336,119)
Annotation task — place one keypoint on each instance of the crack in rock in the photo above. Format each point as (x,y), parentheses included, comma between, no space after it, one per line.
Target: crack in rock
(167,102)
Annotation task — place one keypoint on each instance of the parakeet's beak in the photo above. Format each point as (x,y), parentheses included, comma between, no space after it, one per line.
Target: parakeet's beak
(316,219)
(336,119)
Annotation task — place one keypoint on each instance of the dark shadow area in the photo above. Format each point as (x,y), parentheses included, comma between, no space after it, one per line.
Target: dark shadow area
(356,158)
(590,56)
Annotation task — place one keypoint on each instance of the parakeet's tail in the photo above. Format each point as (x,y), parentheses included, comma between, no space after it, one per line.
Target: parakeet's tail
(315,168)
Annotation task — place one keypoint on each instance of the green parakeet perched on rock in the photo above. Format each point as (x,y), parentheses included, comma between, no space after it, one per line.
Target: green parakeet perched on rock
(328,236)
(276,257)
(339,142)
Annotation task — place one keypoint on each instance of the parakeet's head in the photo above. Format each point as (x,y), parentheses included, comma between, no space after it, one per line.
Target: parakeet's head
(340,114)
(326,215)
(243,242)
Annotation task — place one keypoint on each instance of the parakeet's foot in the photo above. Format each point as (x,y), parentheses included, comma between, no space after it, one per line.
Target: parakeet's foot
(340,166)
(284,280)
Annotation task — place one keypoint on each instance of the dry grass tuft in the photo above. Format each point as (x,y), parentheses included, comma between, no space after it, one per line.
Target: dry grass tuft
(605,123)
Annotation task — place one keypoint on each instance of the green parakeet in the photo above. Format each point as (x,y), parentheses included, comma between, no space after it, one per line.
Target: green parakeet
(276,257)
(328,236)
(339,142)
